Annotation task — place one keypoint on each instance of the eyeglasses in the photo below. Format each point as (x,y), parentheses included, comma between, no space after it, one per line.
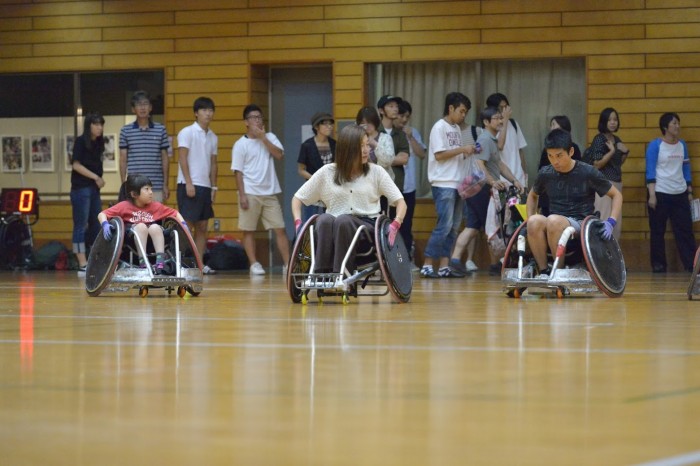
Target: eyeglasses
(254,117)
(143,103)
(327,123)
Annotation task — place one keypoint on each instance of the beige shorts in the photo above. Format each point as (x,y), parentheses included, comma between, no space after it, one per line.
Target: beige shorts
(266,208)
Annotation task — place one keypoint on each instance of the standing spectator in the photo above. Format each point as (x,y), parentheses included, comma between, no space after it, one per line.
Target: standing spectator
(511,141)
(197,173)
(607,153)
(562,122)
(388,107)
(417,149)
(381,147)
(470,134)
(480,208)
(316,152)
(86,182)
(445,156)
(670,190)
(252,161)
(143,147)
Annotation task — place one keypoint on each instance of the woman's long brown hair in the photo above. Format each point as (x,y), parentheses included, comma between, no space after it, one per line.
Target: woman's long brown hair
(348,153)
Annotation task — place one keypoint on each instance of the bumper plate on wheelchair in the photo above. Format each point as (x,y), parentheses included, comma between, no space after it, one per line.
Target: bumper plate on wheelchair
(575,280)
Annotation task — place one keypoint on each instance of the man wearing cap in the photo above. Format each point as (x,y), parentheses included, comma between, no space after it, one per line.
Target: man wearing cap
(316,152)
(388,107)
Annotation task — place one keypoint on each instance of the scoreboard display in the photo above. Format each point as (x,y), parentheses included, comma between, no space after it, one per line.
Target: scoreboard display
(23,201)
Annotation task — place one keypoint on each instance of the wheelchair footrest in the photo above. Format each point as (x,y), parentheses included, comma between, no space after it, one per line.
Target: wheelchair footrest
(318,281)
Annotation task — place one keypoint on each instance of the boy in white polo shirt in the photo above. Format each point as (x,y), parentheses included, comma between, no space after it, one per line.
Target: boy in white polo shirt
(253,162)
(196,175)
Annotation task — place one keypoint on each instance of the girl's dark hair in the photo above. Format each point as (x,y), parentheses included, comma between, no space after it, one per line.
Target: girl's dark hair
(98,145)
(370,115)
(666,120)
(348,151)
(133,185)
(563,122)
(604,117)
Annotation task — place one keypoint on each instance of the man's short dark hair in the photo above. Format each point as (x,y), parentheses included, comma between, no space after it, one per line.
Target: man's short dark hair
(666,120)
(455,99)
(405,107)
(558,139)
(495,99)
(487,114)
(139,96)
(250,109)
(203,103)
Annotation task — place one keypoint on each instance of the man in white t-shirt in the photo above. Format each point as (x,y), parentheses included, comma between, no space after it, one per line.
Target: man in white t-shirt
(445,157)
(196,175)
(511,141)
(253,162)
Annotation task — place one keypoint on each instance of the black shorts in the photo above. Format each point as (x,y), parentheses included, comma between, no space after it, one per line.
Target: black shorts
(476,208)
(197,208)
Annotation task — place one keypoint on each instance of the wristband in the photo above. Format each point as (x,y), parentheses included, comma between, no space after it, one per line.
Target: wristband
(214,188)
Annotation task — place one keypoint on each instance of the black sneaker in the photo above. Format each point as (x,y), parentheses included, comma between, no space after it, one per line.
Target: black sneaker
(495,269)
(428,272)
(457,268)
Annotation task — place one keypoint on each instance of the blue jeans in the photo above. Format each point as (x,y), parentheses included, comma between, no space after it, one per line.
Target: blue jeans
(87,205)
(448,206)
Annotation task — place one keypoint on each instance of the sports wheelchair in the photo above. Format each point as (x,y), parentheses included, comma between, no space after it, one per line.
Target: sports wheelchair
(113,266)
(381,269)
(694,285)
(591,264)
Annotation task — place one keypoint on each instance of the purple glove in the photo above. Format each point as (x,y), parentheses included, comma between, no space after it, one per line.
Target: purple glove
(607,229)
(393,231)
(185,226)
(107,230)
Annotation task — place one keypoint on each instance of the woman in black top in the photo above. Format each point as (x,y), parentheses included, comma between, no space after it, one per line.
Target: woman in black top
(86,182)
(607,153)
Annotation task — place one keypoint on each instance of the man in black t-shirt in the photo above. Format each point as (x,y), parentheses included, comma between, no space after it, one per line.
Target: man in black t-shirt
(571,186)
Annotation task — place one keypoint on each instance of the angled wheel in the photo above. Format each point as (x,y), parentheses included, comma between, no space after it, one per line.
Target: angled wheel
(143,291)
(300,260)
(191,291)
(510,259)
(603,258)
(694,275)
(189,255)
(104,258)
(394,261)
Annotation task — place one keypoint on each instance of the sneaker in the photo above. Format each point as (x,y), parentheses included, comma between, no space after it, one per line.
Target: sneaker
(284,270)
(428,272)
(470,266)
(257,269)
(160,268)
(544,274)
(495,269)
(445,272)
(81,270)
(208,270)
(456,268)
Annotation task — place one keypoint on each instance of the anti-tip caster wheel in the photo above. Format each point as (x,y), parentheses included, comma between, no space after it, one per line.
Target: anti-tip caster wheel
(181,291)
(346,298)
(143,291)
(560,293)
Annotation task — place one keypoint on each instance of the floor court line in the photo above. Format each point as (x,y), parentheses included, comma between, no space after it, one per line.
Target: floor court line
(679,460)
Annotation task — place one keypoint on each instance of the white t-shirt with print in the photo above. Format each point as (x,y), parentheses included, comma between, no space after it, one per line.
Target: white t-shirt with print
(444,173)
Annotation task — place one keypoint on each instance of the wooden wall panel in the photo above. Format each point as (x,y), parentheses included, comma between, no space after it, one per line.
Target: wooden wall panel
(642,58)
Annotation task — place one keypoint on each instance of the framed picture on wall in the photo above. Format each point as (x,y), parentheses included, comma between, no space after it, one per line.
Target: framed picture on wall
(12,154)
(68,141)
(41,153)
(109,161)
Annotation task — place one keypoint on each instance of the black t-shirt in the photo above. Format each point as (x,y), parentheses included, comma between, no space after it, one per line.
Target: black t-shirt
(572,194)
(90,159)
(310,156)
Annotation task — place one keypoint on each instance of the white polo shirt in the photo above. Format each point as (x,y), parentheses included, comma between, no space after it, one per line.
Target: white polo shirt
(202,146)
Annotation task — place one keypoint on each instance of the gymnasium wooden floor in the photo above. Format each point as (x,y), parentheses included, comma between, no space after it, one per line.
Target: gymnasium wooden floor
(461,375)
